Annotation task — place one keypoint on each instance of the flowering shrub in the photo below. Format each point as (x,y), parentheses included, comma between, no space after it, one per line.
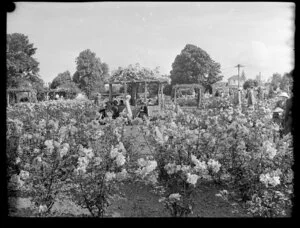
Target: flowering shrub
(100,169)
(59,148)
(64,150)
(238,147)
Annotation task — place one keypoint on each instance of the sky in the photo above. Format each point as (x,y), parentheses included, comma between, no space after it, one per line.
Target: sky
(258,35)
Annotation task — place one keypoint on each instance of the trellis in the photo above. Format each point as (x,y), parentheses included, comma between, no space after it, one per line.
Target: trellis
(160,95)
(18,90)
(59,90)
(189,86)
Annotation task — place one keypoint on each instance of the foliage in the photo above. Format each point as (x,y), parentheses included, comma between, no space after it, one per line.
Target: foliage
(242,146)
(194,65)
(64,153)
(61,79)
(20,62)
(275,81)
(90,73)
(286,83)
(250,83)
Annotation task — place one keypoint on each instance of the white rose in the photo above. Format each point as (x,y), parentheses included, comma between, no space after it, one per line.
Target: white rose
(192,178)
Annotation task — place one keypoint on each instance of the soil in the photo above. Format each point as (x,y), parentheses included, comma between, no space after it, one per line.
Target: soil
(139,200)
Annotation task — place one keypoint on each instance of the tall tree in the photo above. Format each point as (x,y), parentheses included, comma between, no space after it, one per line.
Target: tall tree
(64,81)
(286,83)
(20,62)
(276,79)
(194,65)
(250,83)
(90,73)
(60,79)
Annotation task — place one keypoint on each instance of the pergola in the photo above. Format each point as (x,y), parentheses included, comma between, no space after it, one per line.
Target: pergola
(18,90)
(59,90)
(135,83)
(189,86)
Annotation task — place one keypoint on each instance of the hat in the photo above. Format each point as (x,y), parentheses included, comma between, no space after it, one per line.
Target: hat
(278,109)
(283,94)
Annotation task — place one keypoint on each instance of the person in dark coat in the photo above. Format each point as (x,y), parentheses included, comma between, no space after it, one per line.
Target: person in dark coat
(121,106)
(115,109)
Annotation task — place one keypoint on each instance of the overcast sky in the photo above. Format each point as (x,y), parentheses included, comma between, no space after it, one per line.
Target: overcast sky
(255,34)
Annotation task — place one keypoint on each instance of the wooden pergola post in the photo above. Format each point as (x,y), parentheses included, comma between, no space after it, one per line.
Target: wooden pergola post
(162,96)
(199,98)
(159,96)
(133,93)
(110,92)
(145,94)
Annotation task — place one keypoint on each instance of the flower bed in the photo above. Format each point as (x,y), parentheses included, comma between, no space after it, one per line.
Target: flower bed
(58,150)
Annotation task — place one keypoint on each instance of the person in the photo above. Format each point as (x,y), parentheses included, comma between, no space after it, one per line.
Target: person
(282,100)
(115,109)
(128,108)
(277,116)
(251,98)
(121,106)
(98,98)
(237,99)
(102,111)
(260,94)
(288,116)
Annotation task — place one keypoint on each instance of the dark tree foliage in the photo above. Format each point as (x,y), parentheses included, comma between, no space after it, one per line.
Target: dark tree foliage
(90,73)
(194,65)
(250,83)
(20,62)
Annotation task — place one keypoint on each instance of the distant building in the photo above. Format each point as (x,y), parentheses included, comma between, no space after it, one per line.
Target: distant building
(234,80)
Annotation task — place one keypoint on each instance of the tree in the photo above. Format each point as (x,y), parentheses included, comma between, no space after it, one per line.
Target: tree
(286,83)
(250,83)
(194,65)
(275,81)
(90,73)
(64,81)
(20,63)
(60,79)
